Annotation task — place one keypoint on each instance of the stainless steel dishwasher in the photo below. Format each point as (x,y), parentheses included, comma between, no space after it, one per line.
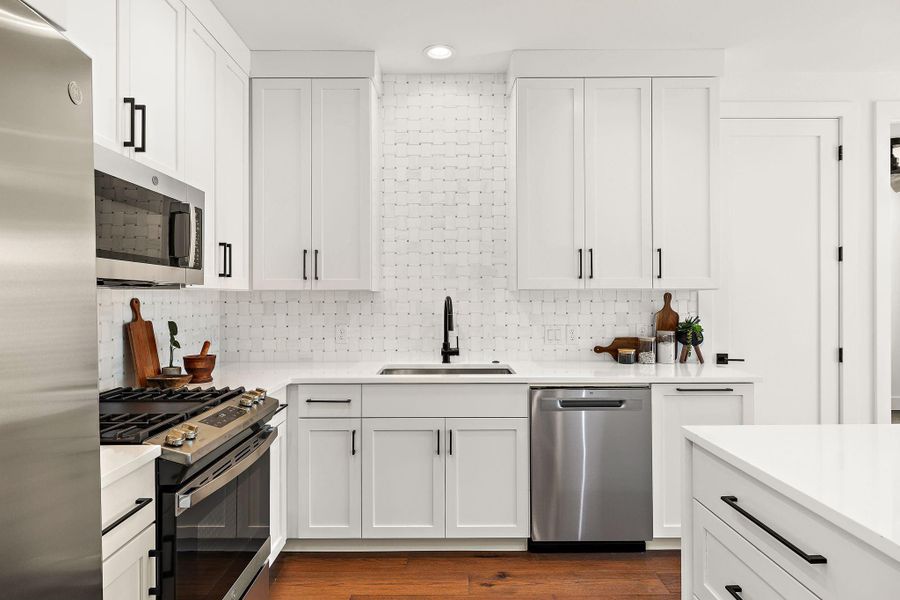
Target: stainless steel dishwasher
(590,465)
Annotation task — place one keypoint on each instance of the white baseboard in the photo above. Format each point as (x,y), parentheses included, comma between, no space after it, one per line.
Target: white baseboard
(664,544)
(433,545)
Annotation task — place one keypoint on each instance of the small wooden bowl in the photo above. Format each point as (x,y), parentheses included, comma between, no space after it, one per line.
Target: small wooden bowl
(168,382)
(200,366)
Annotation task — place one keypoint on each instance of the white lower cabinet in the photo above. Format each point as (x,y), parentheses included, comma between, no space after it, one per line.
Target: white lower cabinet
(487,478)
(403,478)
(329,465)
(278,461)
(130,572)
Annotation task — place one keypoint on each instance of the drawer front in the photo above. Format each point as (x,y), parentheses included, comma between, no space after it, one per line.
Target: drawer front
(329,401)
(445,400)
(126,497)
(775,524)
(726,566)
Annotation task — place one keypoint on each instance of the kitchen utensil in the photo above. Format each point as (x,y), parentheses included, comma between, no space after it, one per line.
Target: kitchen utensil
(168,381)
(617,344)
(200,365)
(666,318)
(142,341)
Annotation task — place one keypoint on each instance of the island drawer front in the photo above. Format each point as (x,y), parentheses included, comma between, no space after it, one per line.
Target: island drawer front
(124,509)
(723,559)
(329,401)
(445,400)
(853,568)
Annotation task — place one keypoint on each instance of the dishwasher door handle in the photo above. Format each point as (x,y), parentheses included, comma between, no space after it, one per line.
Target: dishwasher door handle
(581,403)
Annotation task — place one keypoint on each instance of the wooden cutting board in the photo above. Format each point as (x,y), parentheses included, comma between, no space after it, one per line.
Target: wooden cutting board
(142,341)
(666,318)
(617,344)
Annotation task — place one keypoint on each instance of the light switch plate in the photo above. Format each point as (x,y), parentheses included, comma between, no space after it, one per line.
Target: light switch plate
(553,335)
(340,334)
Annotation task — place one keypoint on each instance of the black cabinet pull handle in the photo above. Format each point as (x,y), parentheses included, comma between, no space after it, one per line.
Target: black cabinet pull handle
(315,264)
(439,442)
(580,263)
(813,559)
(735,591)
(704,389)
(659,254)
(353,443)
(305,252)
(224,271)
(450,435)
(138,505)
(129,143)
(143,109)
(328,401)
(230,257)
(591,259)
(153,591)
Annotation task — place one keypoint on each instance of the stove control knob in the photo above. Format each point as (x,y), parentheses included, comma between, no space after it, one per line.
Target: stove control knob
(190,430)
(263,394)
(175,438)
(247,400)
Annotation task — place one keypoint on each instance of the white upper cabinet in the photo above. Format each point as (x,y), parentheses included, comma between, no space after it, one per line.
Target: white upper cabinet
(313,184)
(618,209)
(685,158)
(151,71)
(549,150)
(282,192)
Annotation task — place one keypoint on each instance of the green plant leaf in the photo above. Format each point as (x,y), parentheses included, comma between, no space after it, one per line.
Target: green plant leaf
(175,344)
(173,328)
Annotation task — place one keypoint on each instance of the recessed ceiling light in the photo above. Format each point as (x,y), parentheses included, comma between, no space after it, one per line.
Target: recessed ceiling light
(439,51)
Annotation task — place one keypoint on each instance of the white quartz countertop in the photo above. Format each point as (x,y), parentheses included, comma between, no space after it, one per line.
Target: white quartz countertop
(275,375)
(118,461)
(847,474)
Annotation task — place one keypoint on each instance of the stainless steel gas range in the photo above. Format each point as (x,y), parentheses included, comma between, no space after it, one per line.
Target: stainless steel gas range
(212,484)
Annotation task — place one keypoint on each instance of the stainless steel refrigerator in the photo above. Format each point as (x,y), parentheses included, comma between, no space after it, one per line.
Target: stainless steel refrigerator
(49,442)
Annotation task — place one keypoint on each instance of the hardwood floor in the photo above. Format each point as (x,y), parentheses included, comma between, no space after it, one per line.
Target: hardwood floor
(433,575)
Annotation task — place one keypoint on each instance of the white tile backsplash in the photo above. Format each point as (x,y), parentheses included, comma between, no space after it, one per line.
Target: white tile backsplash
(444,231)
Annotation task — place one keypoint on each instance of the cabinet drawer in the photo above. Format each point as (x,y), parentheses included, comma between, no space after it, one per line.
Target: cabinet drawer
(123,498)
(445,400)
(852,568)
(329,401)
(722,560)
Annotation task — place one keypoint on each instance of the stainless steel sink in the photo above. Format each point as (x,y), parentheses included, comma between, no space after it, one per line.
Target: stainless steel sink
(446,370)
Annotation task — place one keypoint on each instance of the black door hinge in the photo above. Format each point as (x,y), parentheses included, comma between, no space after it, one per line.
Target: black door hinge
(841,152)
(840,254)
(840,355)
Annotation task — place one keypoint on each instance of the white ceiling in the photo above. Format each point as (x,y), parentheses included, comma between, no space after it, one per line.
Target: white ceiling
(833,35)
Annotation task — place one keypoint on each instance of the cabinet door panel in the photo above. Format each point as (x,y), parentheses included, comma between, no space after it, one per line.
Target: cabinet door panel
(232,219)
(685,161)
(129,573)
(152,63)
(676,406)
(403,478)
(278,490)
(487,478)
(342,150)
(281,184)
(550,183)
(329,452)
(618,221)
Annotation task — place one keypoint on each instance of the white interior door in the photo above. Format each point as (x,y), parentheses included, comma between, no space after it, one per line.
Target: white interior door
(403,478)
(618,212)
(281,184)
(778,307)
(329,453)
(550,183)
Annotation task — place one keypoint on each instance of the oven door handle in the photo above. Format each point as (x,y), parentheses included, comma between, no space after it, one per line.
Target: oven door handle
(184,501)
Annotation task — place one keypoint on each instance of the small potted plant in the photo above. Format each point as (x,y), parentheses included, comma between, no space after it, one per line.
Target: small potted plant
(173,343)
(690,335)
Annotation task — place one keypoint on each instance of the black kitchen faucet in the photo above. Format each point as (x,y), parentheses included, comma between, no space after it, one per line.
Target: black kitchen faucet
(446,350)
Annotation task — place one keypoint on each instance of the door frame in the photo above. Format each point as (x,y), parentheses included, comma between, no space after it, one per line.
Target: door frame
(886,112)
(853,368)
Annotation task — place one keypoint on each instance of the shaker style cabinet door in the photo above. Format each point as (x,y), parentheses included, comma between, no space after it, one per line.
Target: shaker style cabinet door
(329,461)
(343,137)
(278,486)
(617,172)
(403,478)
(151,70)
(282,257)
(549,183)
(685,193)
(487,478)
(130,573)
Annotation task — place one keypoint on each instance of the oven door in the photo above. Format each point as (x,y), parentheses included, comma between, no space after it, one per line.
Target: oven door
(218,541)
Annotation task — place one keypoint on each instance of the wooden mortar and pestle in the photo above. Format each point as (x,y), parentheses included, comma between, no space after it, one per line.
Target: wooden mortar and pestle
(200,366)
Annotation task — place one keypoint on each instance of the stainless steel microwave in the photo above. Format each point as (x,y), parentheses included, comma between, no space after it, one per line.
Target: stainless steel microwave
(149,225)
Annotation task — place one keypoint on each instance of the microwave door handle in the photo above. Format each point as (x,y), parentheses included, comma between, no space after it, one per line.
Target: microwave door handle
(188,499)
(181,235)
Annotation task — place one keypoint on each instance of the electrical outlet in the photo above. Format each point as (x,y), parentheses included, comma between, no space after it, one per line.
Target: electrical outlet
(553,335)
(340,334)
(571,334)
